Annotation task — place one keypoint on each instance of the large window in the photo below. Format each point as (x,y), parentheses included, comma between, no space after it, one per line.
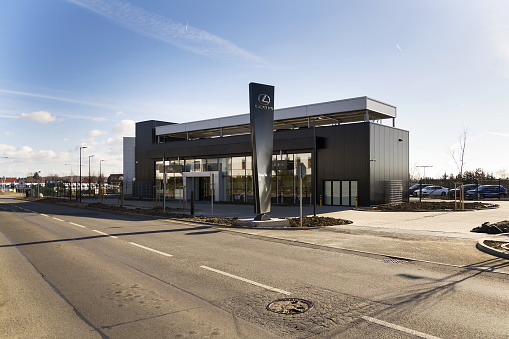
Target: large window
(174,182)
(236,184)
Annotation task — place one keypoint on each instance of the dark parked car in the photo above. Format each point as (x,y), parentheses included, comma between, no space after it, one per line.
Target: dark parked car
(487,191)
(457,191)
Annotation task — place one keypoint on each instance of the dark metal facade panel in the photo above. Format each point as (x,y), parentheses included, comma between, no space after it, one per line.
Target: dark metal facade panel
(390,160)
(345,156)
(345,152)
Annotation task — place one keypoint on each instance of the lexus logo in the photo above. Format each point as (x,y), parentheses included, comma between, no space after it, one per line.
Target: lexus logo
(264,99)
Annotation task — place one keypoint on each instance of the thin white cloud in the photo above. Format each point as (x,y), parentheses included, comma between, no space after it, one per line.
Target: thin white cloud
(125,128)
(42,117)
(158,27)
(99,119)
(505,135)
(50,97)
(9,116)
(9,133)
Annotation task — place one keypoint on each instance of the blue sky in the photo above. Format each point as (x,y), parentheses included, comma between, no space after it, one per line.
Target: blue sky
(82,72)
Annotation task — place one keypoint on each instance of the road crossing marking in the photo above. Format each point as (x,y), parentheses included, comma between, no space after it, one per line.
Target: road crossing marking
(151,249)
(109,235)
(400,328)
(247,280)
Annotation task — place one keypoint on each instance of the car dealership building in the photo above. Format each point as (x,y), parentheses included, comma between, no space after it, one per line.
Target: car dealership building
(351,156)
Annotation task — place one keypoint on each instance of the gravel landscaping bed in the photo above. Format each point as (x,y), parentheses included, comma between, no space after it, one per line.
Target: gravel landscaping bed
(178,214)
(497,245)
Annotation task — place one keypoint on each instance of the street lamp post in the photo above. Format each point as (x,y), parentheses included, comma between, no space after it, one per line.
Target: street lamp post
(89,182)
(81,147)
(420,189)
(424,166)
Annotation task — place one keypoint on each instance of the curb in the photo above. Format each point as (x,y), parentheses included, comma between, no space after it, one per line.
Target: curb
(490,250)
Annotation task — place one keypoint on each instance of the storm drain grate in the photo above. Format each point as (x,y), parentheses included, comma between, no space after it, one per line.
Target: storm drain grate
(394,261)
(290,306)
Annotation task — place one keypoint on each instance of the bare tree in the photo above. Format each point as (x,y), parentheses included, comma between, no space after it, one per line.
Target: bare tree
(458,155)
(503,174)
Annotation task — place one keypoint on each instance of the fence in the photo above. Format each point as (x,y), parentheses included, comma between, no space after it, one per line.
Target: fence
(453,184)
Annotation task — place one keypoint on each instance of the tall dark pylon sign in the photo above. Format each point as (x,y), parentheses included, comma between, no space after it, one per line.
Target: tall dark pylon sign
(261,104)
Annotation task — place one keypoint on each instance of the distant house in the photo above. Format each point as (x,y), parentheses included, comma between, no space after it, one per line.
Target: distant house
(115,179)
(8,180)
(8,183)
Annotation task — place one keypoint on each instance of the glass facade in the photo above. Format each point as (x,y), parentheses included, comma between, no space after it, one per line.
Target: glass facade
(236,181)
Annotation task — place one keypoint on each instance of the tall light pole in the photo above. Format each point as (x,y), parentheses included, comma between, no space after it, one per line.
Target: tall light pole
(424,166)
(89,183)
(81,147)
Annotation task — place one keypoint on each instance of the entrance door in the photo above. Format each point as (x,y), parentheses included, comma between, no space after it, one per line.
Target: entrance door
(204,188)
(200,184)
(340,192)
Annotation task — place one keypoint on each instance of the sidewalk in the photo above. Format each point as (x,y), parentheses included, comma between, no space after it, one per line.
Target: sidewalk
(406,234)
(30,308)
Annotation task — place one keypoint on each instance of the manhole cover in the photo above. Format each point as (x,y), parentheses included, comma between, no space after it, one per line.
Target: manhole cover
(290,306)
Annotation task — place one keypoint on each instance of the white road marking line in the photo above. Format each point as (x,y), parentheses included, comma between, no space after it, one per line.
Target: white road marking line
(400,328)
(109,235)
(151,249)
(45,215)
(247,280)
(58,219)
(77,225)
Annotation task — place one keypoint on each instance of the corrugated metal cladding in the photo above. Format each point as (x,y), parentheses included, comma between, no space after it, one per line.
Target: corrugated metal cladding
(368,153)
(389,160)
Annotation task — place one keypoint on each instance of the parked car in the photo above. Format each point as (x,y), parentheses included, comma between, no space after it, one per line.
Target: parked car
(457,191)
(415,187)
(431,191)
(487,191)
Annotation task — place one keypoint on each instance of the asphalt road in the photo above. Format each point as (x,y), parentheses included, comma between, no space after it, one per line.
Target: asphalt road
(70,272)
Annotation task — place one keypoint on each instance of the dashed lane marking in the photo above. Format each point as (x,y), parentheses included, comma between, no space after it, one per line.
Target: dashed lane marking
(57,219)
(109,235)
(77,225)
(400,328)
(151,249)
(247,280)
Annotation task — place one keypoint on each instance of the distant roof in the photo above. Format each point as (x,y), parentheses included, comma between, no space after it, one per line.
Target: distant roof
(326,113)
